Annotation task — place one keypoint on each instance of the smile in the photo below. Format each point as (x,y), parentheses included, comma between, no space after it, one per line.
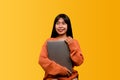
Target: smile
(60,30)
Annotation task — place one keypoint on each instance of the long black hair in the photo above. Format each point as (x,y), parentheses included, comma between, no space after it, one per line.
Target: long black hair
(67,21)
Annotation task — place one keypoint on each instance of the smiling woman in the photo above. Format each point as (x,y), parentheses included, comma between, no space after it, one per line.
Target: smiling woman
(61,31)
(62,24)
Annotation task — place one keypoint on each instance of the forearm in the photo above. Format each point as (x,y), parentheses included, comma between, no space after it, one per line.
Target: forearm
(75,53)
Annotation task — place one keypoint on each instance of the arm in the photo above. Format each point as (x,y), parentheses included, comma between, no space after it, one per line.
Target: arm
(75,52)
(48,65)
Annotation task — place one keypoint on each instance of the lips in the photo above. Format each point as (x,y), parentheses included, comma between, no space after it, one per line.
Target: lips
(60,30)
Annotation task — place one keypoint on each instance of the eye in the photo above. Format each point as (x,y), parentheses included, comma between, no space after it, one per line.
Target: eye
(57,23)
(63,23)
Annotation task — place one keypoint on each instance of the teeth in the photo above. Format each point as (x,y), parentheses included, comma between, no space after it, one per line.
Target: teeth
(60,30)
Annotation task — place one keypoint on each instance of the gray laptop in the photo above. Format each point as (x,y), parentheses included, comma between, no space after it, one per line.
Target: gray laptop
(58,51)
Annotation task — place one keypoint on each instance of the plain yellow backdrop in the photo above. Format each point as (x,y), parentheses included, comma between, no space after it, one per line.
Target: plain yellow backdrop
(26,24)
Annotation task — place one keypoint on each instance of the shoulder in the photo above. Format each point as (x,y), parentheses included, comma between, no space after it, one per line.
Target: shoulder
(75,40)
(50,39)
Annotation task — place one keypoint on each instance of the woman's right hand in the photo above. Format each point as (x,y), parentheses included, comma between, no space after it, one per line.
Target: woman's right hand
(66,72)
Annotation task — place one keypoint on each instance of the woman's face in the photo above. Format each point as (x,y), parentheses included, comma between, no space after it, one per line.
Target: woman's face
(61,27)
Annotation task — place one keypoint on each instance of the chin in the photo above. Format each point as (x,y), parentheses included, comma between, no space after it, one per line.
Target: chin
(61,33)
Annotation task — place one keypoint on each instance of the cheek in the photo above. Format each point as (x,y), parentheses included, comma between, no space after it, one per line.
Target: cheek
(56,26)
(66,28)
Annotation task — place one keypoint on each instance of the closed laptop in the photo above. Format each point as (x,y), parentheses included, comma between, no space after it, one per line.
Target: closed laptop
(58,51)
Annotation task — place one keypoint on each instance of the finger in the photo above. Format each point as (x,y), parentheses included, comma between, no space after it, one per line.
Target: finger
(69,74)
(67,40)
(69,37)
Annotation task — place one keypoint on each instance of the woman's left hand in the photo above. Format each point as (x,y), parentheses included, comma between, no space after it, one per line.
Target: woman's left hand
(69,39)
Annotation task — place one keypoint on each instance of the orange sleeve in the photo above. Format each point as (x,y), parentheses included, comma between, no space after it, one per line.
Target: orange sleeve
(75,53)
(49,66)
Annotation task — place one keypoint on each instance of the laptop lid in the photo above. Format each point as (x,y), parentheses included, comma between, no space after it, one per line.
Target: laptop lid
(58,51)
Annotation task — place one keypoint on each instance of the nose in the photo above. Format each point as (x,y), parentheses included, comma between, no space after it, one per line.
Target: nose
(60,25)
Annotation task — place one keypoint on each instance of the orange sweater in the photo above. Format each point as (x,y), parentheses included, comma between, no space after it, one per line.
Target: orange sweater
(51,68)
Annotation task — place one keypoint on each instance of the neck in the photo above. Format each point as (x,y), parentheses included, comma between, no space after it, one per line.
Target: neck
(62,37)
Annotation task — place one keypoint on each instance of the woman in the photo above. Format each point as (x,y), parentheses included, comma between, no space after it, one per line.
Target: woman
(61,31)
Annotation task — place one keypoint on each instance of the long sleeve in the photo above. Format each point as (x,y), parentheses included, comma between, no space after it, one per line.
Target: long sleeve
(48,65)
(75,53)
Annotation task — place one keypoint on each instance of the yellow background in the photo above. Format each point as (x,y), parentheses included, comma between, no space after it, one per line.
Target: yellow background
(26,24)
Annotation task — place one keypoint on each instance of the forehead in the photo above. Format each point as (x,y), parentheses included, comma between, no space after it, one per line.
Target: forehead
(61,20)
